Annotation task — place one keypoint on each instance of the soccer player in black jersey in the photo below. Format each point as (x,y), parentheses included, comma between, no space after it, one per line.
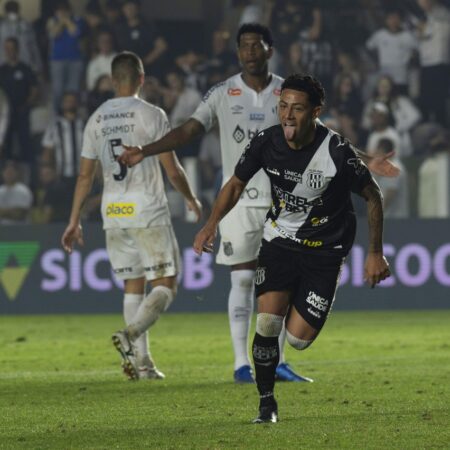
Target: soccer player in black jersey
(309,229)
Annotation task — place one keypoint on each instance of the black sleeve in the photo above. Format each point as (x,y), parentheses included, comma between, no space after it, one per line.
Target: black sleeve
(356,173)
(251,159)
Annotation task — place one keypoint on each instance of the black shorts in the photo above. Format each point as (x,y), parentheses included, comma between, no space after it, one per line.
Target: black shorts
(311,278)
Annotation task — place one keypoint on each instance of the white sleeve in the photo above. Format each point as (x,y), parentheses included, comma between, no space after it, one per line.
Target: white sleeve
(89,147)
(157,117)
(206,112)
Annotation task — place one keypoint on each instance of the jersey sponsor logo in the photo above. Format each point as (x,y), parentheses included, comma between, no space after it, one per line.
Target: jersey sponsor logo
(258,117)
(121,210)
(306,242)
(228,248)
(238,134)
(292,176)
(317,302)
(234,92)
(314,313)
(260,275)
(99,118)
(273,171)
(317,221)
(315,179)
(119,115)
(295,203)
(237,109)
(357,164)
(277,92)
(250,193)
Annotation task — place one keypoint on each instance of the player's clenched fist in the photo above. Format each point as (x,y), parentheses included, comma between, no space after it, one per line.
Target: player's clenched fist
(376,269)
(204,240)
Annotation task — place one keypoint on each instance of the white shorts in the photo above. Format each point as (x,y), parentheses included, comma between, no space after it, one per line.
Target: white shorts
(135,252)
(241,232)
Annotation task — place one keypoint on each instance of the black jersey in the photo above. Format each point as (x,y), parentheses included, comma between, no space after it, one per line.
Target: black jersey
(311,189)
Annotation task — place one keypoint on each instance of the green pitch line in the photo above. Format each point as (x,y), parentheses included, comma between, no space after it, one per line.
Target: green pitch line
(381,382)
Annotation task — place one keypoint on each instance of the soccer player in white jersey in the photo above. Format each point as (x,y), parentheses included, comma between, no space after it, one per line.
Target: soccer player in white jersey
(243,105)
(139,237)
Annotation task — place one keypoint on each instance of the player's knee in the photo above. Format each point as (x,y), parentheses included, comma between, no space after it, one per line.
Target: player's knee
(242,279)
(269,325)
(297,343)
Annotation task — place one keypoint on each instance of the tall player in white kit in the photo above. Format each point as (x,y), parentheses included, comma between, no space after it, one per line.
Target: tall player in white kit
(139,236)
(243,105)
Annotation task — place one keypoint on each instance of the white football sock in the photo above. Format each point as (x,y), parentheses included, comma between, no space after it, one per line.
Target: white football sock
(131,303)
(240,310)
(281,342)
(157,301)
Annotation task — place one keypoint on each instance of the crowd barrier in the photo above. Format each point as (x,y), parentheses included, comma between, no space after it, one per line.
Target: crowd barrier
(37,276)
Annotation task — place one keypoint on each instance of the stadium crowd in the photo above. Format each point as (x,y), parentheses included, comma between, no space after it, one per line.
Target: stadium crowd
(385,66)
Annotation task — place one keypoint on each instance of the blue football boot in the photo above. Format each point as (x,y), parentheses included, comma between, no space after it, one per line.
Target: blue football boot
(284,372)
(244,375)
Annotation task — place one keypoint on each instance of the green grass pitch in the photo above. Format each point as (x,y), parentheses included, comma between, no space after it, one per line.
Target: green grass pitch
(382,381)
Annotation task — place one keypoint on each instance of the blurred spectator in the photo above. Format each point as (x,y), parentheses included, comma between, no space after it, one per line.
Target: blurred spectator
(434,179)
(287,20)
(151,91)
(317,51)
(93,18)
(50,198)
(4,119)
(138,36)
(381,129)
(15,197)
(293,59)
(395,190)
(346,107)
(19,84)
(103,90)
(394,47)
(113,15)
(434,51)
(347,62)
(190,63)
(220,59)
(62,142)
(404,113)
(179,99)
(66,65)
(100,64)
(13,25)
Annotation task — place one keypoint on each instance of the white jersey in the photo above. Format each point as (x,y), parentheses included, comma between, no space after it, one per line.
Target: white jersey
(241,113)
(132,197)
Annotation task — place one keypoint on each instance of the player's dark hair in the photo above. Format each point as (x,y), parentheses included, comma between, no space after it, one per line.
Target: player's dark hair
(308,84)
(13,40)
(127,67)
(255,28)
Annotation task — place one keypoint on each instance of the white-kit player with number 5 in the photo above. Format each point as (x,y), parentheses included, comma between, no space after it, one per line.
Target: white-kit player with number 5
(139,236)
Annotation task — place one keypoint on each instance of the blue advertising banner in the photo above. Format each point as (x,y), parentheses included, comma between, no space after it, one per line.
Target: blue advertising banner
(37,276)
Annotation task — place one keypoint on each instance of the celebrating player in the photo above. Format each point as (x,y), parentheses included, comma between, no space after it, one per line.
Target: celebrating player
(243,105)
(139,237)
(309,229)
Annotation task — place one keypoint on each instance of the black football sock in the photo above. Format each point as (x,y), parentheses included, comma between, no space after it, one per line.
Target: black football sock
(266,355)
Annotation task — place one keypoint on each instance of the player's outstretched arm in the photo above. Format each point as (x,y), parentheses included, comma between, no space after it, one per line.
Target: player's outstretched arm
(227,198)
(178,179)
(174,139)
(376,268)
(380,165)
(73,232)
